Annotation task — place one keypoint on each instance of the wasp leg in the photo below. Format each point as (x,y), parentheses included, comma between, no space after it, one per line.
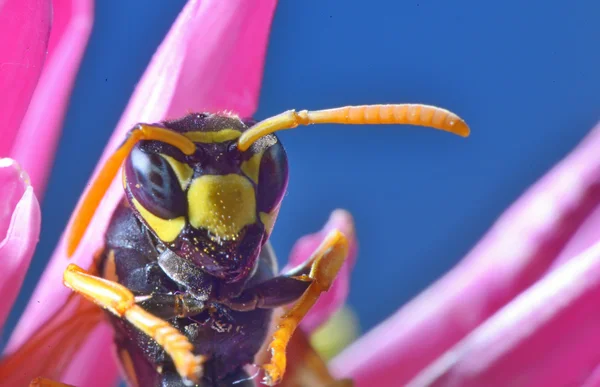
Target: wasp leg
(184,272)
(306,367)
(326,262)
(168,306)
(118,300)
(43,382)
(273,293)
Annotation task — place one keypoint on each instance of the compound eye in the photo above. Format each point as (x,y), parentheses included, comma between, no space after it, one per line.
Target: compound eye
(153,183)
(266,165)
(272,177)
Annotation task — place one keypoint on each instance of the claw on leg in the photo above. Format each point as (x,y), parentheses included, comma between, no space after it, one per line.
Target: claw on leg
(121,302)
(326,262)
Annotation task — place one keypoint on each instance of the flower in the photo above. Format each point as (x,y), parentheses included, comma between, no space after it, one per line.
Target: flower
(19,227)
(20,68)
(38,69)
(520,309)
(36,63)
(494,319)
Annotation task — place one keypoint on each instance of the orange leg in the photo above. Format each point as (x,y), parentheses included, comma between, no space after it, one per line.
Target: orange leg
(326,263)
(306,367)
(118,300)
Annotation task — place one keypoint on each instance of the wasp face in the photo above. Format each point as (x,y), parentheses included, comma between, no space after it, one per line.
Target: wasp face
(217,206)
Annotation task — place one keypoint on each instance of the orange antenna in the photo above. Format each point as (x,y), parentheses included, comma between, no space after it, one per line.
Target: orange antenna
(100,185)
(422,115)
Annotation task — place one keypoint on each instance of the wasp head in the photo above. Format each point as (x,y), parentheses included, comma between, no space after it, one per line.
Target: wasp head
(216,206)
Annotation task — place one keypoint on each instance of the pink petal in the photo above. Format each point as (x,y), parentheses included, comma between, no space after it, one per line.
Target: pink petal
(19,228)
(547,336)
(53,346)
(586,236)
(594,379)
(515,253)
(99,351)
(71,26)
(13,182)
(329,302)
(176,68)
(25,29)
(224,57)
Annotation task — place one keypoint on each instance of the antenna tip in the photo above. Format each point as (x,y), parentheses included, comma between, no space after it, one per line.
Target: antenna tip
(458,126)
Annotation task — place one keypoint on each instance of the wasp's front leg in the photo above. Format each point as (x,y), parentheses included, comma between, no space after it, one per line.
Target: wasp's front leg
(325,263)
(304,284)
(168,306)
(273,293)
(121,302)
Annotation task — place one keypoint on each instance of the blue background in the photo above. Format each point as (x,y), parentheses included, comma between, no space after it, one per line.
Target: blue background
(523,74)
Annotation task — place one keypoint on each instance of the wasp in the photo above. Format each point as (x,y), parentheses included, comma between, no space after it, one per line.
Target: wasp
(187,274)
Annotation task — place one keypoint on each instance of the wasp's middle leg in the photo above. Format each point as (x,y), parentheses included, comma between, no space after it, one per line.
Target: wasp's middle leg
(121,302)
(325,263)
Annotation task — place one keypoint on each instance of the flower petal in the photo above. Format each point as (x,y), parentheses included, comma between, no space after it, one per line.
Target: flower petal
(13,183)
(330,301)
(176,68)
(594,379)
(224,55)
(19,228)
(586,235)
(548,336)
(515,253)
(71,26)
(95,351)
(27,23)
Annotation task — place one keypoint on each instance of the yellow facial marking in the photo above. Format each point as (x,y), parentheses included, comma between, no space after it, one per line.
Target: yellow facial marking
(251,167)
(166,229)
(268,219)
(223,205)
(183,171)
(212,137)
